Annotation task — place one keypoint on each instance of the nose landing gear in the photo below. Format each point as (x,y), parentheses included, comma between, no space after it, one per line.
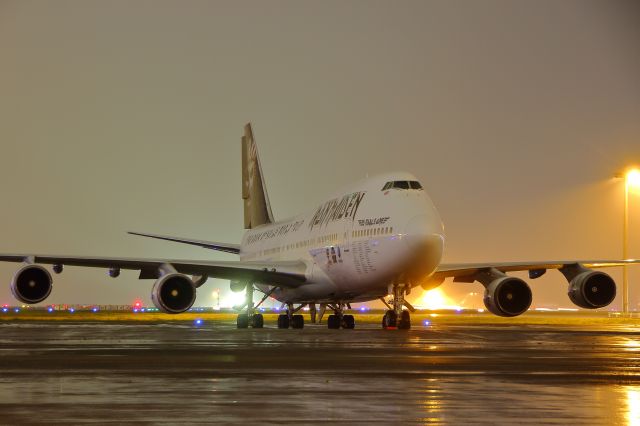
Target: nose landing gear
(397,318)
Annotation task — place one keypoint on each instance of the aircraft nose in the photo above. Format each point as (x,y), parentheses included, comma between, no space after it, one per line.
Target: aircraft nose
(421,231)
(426,243)
(418,227)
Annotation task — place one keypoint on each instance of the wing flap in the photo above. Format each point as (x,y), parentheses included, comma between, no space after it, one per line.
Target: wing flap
(465,272)
(225,247)
(290,274)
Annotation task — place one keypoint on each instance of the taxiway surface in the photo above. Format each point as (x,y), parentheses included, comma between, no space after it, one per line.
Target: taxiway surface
(101,372)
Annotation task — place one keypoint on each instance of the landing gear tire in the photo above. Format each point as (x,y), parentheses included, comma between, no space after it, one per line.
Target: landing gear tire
(405,321)
(390,320)
(283,321)
(257,321)
(333,322)
(297,321)
(348,322)
(242,321)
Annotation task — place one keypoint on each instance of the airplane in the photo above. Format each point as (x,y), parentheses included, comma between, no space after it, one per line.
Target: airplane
(377,237)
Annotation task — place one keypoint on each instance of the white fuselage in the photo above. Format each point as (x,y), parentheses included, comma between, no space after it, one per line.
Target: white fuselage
(356,243)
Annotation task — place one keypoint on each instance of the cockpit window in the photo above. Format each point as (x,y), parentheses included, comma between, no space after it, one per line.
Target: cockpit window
(402,184)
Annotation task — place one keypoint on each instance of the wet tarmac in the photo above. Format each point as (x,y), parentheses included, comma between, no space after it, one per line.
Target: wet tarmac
(172,373)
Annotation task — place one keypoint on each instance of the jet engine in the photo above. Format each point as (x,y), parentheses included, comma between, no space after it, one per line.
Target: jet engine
(507,296)
(173,293)
(31,284)
(237,286)
(592,289)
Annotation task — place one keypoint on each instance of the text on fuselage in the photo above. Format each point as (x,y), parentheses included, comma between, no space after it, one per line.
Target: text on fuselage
(336,209)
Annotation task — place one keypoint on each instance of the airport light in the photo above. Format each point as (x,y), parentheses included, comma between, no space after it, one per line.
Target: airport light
(631,181)
(633,178)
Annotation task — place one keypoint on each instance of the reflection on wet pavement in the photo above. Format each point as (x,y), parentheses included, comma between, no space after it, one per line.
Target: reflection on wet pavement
(456,374)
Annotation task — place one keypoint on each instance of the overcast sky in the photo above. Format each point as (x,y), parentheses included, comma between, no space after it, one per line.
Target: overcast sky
(127,115)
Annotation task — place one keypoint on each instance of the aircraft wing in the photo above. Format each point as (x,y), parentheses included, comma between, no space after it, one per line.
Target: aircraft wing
(465,272)
(289,274)
(225,247)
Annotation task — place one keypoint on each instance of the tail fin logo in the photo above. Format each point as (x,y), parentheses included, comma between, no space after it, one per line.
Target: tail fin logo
(257,210)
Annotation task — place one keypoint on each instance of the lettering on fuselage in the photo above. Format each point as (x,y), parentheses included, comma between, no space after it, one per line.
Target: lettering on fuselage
(337,209)
(373,221)
(275,232)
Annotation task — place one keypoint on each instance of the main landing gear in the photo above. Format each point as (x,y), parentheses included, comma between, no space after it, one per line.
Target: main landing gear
(397,318)
(251,318)
(290,319)
(338,319)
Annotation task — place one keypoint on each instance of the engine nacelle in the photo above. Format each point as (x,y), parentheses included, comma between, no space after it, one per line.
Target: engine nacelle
(237,286)
(31,284)
(173,293)
(592,289)
(507,296)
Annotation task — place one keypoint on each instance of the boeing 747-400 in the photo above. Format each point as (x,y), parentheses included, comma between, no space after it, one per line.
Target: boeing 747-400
(379,236)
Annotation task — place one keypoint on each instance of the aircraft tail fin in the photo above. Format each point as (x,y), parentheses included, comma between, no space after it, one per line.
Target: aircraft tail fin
(257,210)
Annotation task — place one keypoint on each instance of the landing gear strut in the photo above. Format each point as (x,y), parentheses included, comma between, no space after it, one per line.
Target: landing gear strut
(251,318)
(339,319)
(313,312)
(397,317)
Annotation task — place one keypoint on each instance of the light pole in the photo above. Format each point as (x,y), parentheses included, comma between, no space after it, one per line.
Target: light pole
(631,179)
